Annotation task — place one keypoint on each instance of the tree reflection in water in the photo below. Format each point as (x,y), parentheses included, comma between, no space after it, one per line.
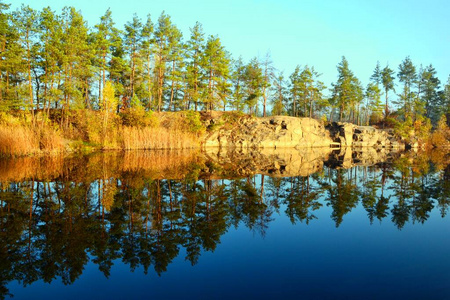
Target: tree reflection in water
(58,214)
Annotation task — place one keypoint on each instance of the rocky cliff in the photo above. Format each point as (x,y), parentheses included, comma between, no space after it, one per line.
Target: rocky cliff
(290,132)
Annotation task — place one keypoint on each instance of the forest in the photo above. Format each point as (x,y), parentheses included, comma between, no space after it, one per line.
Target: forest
(58,72)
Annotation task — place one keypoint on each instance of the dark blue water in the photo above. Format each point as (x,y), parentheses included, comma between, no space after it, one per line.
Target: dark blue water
(379,232)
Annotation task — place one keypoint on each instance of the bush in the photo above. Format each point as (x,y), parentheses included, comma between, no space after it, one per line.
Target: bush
(138,117)
(193,122)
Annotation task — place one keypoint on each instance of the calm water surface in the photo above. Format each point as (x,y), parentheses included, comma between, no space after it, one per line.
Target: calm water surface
(183,226)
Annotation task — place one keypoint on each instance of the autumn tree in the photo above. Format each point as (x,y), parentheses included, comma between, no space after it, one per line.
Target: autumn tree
(108,107)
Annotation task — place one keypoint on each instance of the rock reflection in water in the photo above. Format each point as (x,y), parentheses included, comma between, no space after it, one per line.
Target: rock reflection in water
(58,213)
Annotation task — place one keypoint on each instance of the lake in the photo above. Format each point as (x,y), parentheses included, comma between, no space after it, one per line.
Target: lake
(276,224)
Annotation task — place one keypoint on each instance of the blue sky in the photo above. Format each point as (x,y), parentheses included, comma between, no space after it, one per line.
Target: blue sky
(313,32)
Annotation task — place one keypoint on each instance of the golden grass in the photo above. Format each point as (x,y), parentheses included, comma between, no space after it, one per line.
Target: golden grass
(18,140)
(50,140)
(134,138)
(23,140)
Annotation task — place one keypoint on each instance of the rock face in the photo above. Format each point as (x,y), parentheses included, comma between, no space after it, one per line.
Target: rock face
(350,135)
(289,132)
(271,132)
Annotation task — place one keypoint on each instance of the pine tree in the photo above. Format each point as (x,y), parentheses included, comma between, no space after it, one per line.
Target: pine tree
(194,75)
(267,78)
(216,65)
(445,99)
(429,92)
(316,96)
(347,91)
(25,20)
(254,81)
(387,80)
(162,36)
(238,82)
(279,96)
(103,39)
(76,59)
(309,89)
(132,42)
(176,61)
(407,75)
(51,54)
(12,63)
(4,37)
(147,51)
(377,76)
(295,90)
(374,106)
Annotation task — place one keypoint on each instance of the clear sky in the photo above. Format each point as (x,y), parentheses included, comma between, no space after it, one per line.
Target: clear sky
(313,32)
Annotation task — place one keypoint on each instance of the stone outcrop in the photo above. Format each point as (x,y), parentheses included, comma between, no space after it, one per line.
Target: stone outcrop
(350,135)
(271,132)
(289,132)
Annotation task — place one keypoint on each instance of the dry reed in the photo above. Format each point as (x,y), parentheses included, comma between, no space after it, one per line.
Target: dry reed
(22,140)
(18,140)
(134,138)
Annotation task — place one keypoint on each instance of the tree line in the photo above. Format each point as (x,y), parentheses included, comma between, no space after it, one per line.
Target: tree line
(53,60)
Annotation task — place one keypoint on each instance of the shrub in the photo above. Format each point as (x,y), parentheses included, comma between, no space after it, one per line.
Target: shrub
(194,123)
(138,117)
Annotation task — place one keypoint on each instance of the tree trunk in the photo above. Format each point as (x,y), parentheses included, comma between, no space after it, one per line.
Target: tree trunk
(265,101)
(386,109)
(172,87)
(30,83)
